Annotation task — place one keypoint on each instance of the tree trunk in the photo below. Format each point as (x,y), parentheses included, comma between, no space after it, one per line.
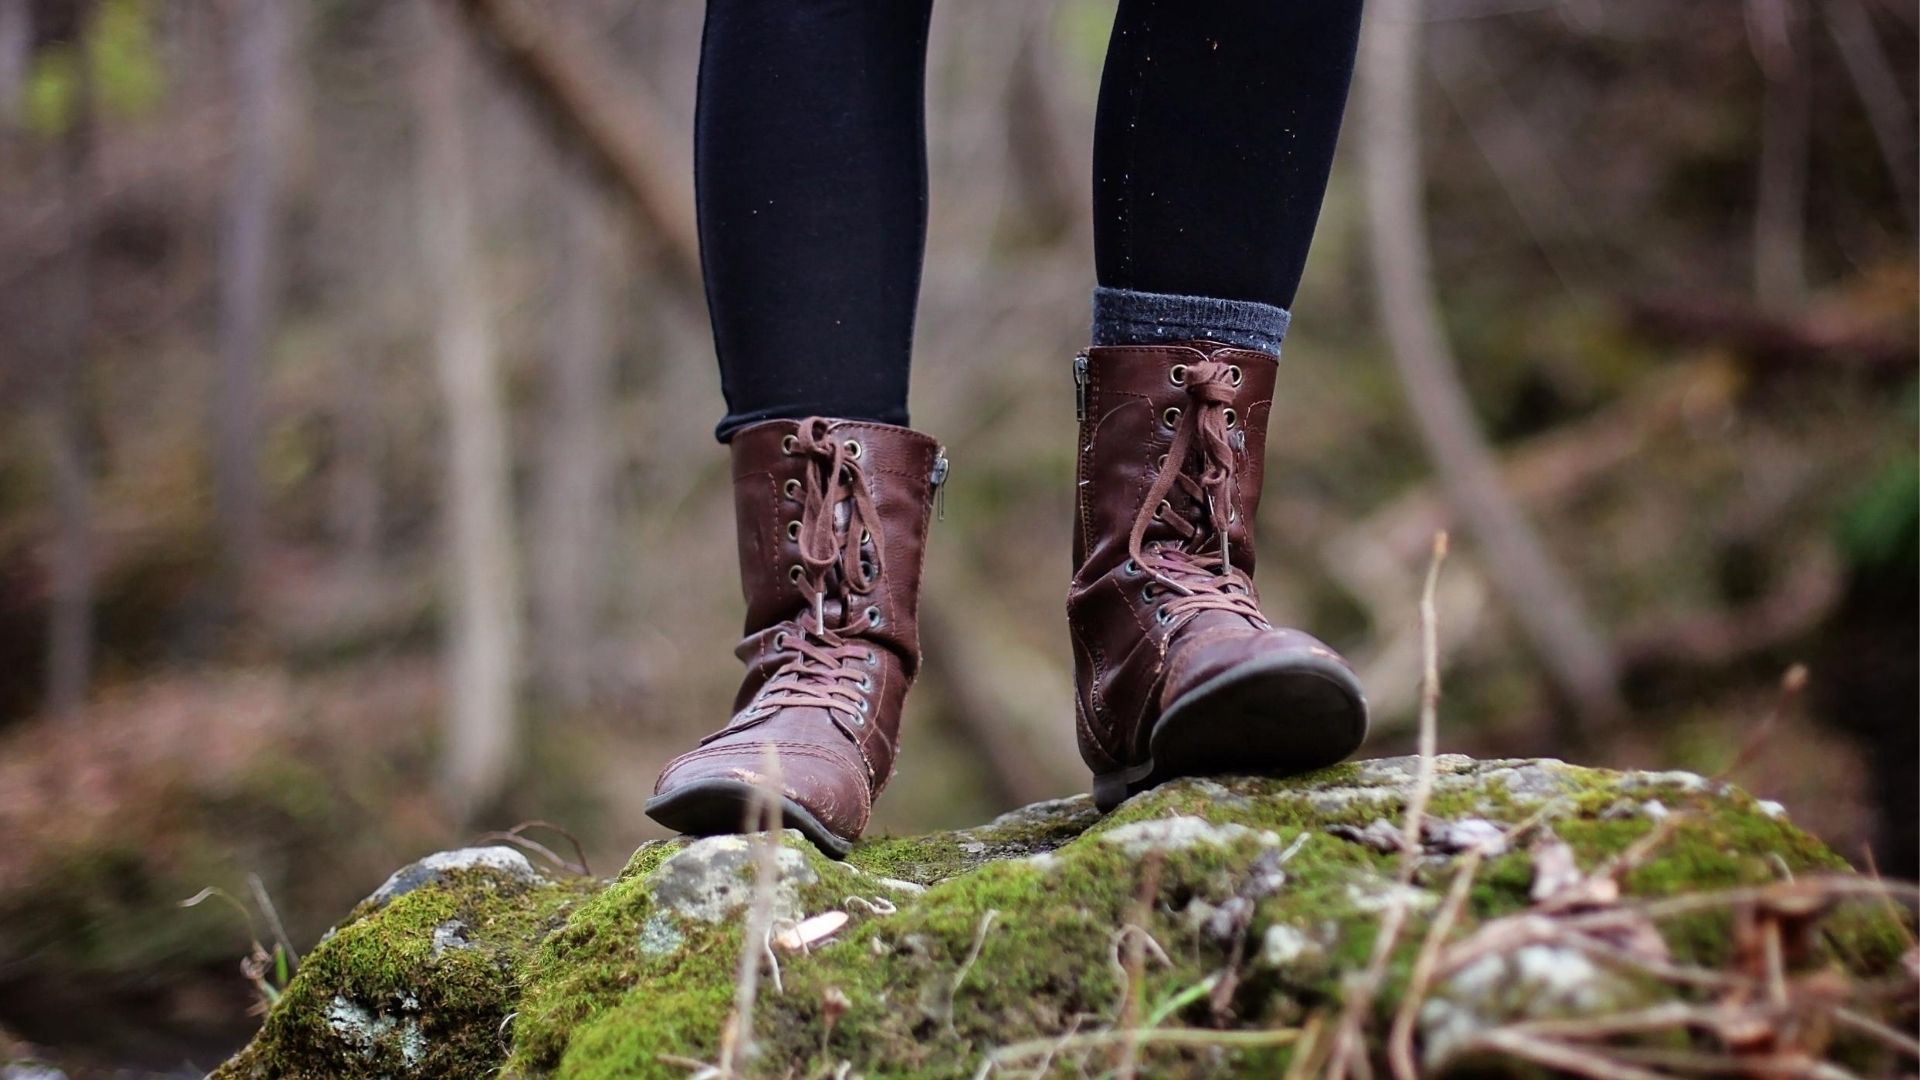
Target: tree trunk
(1780,185)
(570,514)
(249,279)
(1536,592)
(483,601)
(70,633)
(16,52)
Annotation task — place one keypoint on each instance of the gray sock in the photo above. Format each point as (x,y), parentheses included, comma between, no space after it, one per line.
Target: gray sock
(1126,317)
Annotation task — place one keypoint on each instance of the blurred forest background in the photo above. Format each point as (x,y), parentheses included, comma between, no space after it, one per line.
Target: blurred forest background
(358,496)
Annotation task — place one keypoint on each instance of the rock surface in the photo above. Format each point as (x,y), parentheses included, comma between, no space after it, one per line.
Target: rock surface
(982,950)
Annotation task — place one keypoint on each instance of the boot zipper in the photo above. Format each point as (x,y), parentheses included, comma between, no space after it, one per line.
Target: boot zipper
(940,468)
(1080,386)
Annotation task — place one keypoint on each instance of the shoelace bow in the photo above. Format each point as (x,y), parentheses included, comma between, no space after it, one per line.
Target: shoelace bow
(822,672)
(1203,580)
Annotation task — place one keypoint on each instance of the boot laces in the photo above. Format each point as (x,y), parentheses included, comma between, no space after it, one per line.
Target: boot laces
(1198,567)
(840,560)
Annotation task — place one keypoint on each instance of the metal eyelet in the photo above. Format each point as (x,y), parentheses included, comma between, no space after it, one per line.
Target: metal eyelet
(865,683)
(792,488)
(873,615)
(1233,514)
(866,537)
(859,718)
(787,444)
(853,447)
(1160,512)
(1151,592)
(864,706)
(1234,374)
(1172,416)
(873,659)
(1232,418)
(1162,616)
(794,572)
(793,529)
(1160,462)
(1177,374)
(1130,568)
(779,641)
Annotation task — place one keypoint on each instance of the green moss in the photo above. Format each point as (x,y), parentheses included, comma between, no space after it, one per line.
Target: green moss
(605,980)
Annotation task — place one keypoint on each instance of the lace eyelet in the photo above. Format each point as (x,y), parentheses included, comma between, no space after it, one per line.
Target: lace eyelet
(1150,593)
(1160,512)
(854,448)
(788,443)
(873,615)
(1172,416)
(1130,568)
(1232,418)
(792,488)
(1160,462)
(794,572)
(865,683)
(873,659)
(866,537)
(859,719)
(779,641)
(1234,374)
(1177,374)
(864,706)
(793,530)
(1162,616)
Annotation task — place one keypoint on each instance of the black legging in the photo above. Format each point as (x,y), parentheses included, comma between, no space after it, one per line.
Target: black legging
(1215,133)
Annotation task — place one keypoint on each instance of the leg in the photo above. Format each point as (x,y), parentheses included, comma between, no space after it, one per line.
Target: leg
(1216,131)
(811,175)
(812,189)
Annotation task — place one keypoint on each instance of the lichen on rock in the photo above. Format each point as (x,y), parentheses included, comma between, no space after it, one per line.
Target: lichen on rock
(958,946)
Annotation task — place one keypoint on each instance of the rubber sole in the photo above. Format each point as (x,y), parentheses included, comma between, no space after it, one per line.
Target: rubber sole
(1276,716)
(720,808)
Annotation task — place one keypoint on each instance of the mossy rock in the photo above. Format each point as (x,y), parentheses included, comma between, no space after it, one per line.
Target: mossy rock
(960,945)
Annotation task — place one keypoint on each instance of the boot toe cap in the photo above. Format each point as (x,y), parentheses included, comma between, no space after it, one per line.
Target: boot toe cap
(831,787)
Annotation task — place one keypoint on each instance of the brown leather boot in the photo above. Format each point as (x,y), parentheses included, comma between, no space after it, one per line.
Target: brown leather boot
(1177,671)
(832,518)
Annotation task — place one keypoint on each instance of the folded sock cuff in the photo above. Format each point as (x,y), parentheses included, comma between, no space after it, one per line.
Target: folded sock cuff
(1127,317)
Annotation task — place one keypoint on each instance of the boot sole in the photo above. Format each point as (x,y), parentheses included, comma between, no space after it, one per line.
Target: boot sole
(1276,716)
(720,808)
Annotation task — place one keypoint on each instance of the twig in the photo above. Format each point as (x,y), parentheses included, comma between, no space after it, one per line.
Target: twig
(1898,916)
(1660,969)
(1671,906)
(1305,1064)
(1791,684)
(534,846)
(1168,1036)
(966,965)
(1349,1053)
(1400,1039)
(1557,1056)
(1867,1025)
(579,852)
(1132,935)
(763,817)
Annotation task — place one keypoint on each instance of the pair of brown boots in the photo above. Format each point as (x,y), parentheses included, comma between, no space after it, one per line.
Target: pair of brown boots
(1177,672)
